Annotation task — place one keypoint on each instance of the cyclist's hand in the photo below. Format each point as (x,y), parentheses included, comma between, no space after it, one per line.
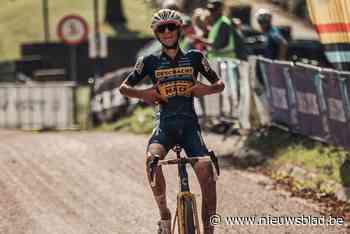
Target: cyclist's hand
(152,96)
(199,89)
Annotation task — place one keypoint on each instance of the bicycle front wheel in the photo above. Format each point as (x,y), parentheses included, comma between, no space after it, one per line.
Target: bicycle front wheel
(190,227)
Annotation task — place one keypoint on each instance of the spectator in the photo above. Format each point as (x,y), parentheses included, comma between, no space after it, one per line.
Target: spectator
(189,39)
(276,47)
(220,38)
(240,47)
(171,4)
(201,22)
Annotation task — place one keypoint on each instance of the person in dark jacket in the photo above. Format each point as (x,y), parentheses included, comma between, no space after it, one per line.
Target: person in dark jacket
(276,47)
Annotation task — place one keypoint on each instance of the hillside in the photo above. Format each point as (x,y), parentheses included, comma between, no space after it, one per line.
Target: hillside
(22,21)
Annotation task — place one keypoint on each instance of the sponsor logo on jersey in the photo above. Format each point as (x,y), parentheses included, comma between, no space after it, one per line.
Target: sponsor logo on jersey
(171,72)
(175,88)
(139,65)
(205,64)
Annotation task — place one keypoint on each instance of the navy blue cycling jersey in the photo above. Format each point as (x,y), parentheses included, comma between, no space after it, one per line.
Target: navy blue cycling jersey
(173,77)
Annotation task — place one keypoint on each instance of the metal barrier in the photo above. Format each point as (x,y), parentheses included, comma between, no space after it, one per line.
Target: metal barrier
(226,104)
(306,99)
(38,105)
(309,100)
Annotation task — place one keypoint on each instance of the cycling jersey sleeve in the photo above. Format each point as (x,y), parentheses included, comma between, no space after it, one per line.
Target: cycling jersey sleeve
(202,65)
(138,74)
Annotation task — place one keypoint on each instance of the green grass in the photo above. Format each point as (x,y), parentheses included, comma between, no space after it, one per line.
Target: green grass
(83,93)
(328,162)
(321,159)
(22,21)
(140,122)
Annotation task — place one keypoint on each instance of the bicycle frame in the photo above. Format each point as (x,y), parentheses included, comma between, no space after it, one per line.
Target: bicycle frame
(186,201)
(182,172)
(183,195)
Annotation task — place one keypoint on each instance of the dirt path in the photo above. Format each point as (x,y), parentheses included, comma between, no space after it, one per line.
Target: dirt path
(89,183)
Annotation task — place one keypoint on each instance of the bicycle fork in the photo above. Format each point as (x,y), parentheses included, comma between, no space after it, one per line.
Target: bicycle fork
(185,198)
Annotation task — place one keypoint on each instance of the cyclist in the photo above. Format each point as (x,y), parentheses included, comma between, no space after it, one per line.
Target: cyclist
(174,74)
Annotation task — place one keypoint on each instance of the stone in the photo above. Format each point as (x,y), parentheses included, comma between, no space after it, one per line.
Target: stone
(286,169)
(298,173)
(250,157)
(343,193)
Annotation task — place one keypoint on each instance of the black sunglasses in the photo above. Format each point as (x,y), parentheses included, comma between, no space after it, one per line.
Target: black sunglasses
(170,27)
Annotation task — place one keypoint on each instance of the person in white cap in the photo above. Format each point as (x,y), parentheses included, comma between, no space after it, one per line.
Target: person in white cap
(276,45)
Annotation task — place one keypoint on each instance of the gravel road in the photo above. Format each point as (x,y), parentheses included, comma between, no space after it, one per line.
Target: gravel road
(94,182)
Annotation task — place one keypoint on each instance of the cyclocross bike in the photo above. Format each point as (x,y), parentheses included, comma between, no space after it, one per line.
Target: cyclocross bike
(186,208)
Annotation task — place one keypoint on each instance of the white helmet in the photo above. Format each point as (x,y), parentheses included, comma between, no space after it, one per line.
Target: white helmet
(263,15)
(166,16)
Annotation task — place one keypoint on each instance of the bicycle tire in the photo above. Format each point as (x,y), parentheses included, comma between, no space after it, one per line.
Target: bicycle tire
(190,227)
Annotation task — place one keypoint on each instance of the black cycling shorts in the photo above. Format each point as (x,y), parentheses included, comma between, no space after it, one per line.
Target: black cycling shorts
(183,131)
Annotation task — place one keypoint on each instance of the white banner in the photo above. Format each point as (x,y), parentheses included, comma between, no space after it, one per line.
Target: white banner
(37,106)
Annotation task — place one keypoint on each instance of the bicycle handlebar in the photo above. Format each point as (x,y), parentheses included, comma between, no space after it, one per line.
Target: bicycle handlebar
(183,160)
(153,164)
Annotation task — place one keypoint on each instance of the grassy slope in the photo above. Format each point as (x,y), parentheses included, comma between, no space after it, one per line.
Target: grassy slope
(328,162)
(140,122)
(21,21)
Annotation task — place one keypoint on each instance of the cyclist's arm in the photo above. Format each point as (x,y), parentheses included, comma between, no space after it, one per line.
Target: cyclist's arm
(127,87)
(149,95)
(203,66)
(216,87)
(127,90)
